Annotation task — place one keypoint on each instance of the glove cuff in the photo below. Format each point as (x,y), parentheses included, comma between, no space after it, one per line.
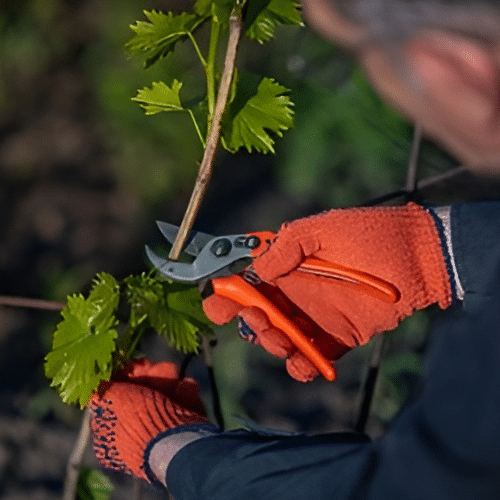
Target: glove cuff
(426,279)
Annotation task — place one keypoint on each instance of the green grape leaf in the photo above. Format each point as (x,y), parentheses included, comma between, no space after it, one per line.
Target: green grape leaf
(160,97)
(84,341)
(263,16)
(143,292)
(174,310)
(185,301)
(93,485)
(256,111)
(158,36)
(177,318)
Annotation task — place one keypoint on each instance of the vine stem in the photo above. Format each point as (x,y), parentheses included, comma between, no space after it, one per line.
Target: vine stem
(207,354)
(411,187)
(206,166)
(197,128)
(76,458)
(197,49)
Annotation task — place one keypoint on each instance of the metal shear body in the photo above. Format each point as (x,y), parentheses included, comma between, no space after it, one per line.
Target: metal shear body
(215,261)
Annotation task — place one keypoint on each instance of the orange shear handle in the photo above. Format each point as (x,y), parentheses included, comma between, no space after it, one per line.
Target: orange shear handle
(237,289)
(350,278)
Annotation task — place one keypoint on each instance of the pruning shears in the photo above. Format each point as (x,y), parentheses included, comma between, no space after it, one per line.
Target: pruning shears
(218,260)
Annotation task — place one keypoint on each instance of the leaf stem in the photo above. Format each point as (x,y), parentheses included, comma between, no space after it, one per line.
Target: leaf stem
(136,337)
(205,170)
(197,49)
(198,131)
(210,68)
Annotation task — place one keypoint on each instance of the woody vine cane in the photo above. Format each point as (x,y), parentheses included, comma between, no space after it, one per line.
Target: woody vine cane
(204,174)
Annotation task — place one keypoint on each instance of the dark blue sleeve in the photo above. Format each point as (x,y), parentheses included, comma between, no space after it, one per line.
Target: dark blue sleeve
(475,229)
(444,446)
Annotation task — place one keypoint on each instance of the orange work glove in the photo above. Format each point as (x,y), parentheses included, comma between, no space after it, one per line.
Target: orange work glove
(142,401)
(401,245)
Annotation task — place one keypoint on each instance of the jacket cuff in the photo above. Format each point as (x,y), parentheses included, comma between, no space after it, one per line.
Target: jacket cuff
(170,442)
(442,219)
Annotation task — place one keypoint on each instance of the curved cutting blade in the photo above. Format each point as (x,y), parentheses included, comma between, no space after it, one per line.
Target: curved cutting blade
(216,258)
(195,242)
(179,271)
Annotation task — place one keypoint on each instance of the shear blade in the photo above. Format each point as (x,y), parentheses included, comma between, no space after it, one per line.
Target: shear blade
(195,241)
(207,264)
(178,271)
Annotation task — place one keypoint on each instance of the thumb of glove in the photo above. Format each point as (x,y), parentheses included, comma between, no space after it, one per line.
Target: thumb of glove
(292,244)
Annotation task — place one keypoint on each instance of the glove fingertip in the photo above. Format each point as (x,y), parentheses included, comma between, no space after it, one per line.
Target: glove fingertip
(164,370)
(255,318)
(300,368)
(276,343)
(220,310)
(267,336)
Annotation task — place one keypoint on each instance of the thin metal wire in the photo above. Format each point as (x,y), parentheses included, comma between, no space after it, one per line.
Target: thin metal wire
(424,183)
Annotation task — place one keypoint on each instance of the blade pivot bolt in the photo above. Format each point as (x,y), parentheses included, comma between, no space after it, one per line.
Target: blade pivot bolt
(240,241)
(221,247)
(252,242)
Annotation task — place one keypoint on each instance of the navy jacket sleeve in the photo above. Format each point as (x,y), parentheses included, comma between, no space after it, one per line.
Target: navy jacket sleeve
(444,446)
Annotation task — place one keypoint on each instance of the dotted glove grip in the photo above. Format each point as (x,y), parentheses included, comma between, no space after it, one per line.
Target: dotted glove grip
(142,401)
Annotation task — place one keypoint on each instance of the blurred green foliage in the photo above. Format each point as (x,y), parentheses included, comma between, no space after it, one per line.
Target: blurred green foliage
(151,158)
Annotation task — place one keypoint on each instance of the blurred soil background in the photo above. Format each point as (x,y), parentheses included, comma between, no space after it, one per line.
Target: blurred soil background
(84,174)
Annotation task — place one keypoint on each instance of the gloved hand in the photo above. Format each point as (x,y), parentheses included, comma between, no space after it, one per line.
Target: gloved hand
(400,245)
(142,400)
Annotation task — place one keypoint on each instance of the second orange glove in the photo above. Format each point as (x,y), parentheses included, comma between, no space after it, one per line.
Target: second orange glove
(142,401)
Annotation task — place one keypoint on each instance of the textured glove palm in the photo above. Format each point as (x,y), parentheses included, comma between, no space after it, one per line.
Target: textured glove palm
(400,245)
(140,402)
